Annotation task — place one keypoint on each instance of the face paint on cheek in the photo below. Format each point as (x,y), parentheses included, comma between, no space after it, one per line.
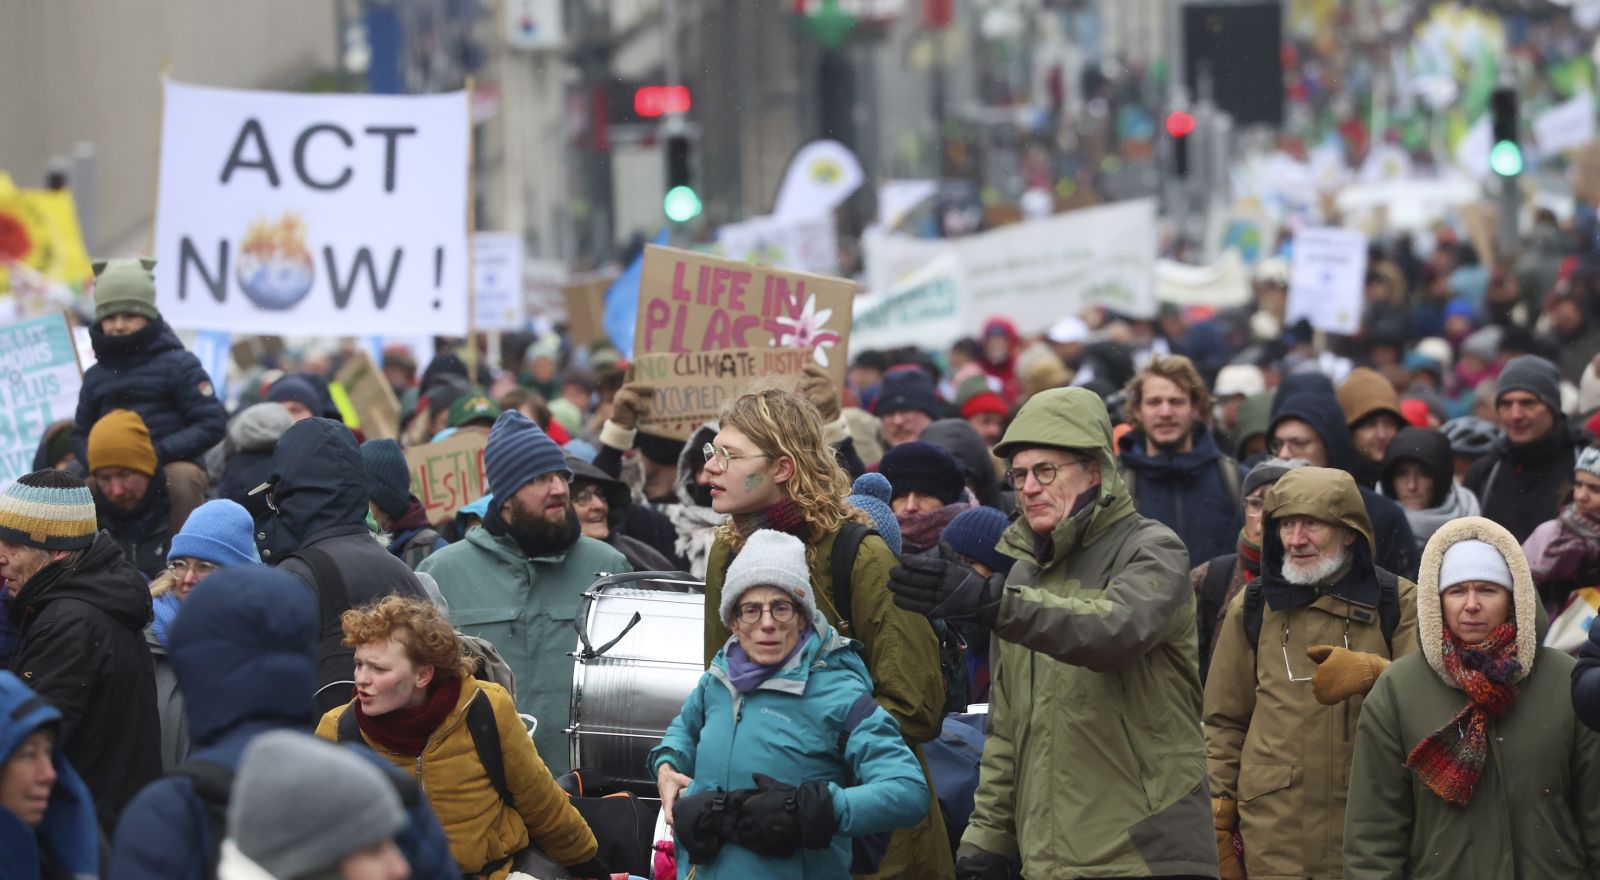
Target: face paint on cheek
(753,482)
(402,688)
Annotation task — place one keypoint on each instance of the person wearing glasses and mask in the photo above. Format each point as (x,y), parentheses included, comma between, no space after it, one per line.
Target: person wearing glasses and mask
(1298,650)
(769,466)
(1094,764)
(216,535)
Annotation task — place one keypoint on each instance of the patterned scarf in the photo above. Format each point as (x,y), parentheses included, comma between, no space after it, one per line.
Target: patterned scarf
(407,730)
(1249,556)
(1451,758)
(921,530)
(785,516)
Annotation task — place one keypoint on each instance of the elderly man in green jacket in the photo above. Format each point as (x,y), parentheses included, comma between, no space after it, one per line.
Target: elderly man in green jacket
(517,581)
(1095,765)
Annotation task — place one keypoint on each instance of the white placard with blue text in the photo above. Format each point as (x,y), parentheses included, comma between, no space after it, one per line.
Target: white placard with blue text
(497,281)
(1328,278)
(39,382)
(301,214)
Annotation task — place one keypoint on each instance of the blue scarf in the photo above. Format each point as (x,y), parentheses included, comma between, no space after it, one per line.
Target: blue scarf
(166,609)
(746,674)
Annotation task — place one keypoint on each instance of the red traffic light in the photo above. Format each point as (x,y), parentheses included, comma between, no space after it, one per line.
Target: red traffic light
(1179,123)
(661,100)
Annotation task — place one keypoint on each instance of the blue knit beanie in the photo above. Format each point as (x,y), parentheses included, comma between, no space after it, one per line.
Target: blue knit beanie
(519,453)
(974,534)
(872,493)
(388,476)
(219,532)
(298,389)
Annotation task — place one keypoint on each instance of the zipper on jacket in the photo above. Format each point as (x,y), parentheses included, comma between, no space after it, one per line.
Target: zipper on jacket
(419,771)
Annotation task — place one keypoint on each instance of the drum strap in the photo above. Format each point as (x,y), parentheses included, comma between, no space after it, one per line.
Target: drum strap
(485,739)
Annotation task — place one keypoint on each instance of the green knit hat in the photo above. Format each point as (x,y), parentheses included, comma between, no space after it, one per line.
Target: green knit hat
(124,286)
(49,509)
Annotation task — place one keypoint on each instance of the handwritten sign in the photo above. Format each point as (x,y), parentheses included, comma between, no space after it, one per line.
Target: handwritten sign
(586,308)
(377,409)
(709,327)
(448,475)
(39,382)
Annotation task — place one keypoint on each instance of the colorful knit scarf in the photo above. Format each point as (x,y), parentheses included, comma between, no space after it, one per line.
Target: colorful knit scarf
(1451,758)
(921,530)
(785,516)
(407,730)
(1249,556)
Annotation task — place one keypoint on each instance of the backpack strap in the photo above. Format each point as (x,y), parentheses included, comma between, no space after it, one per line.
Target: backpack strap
(860,711)
(1218,573)
(486,739)
(349,727)
(842,566)
(1254,608)
(213,784)
(333,598)
(1388,608)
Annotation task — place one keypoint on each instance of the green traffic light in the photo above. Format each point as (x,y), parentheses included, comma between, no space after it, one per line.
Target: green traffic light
(681,204)
(1505,158)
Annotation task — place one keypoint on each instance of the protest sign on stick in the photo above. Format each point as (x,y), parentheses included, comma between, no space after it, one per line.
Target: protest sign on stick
(710,328)
(39,382)
(448,475)
(377,409)
(279,213)
(1328,278)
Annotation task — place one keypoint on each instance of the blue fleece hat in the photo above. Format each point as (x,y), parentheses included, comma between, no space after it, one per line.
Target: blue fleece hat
(298,389)
(518,453)
(388,476)
(220,532)
(69,833)
(872,493)
(974,533)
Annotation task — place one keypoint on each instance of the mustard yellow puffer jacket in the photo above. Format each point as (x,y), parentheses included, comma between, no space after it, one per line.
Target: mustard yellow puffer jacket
(482,828)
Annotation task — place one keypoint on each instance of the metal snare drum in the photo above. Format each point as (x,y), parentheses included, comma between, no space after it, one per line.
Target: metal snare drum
(628,689)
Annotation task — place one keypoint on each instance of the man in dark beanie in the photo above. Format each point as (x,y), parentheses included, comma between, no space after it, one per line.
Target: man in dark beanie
(907,404)
(928,490)
(1526,476)
(517,581)
(399,513)
(316,528)
(81,608)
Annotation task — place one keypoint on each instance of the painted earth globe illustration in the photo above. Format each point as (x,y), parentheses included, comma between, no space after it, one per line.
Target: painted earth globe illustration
(275,268)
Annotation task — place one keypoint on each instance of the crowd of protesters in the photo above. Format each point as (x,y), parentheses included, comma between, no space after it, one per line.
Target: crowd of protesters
(1236,599)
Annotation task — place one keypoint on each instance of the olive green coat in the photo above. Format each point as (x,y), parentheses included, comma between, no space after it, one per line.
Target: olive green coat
(1094,763)
(1535,812)
(902,655)
(1269,744)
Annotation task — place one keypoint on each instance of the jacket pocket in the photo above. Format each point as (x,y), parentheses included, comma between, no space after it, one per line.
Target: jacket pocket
(498,625)
(1257,780)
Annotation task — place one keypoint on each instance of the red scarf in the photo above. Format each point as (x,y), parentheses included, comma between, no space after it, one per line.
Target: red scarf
(785,516)
(1451,758)
(1249,556)
(407,730)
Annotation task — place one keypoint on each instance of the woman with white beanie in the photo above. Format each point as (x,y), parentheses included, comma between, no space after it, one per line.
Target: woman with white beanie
(1470,761)
(780,754)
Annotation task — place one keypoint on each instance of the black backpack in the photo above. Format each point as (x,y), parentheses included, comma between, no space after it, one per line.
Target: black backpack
(1388,608)
(952,648)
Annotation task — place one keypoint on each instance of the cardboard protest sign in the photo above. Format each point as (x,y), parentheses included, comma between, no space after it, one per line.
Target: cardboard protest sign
(1327,279)
(39,382)
(448,475)
(281,212)
(369,393)
(586,308)
(708,328)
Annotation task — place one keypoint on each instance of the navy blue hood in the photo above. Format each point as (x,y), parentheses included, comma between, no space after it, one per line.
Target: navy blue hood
(68,838)
(1320,410)
(318,483)
(1299,383)
(244,649)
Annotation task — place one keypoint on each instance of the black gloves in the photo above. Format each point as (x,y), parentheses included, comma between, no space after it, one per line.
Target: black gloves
(981,865)
(703,822)
(594,869)
(777,817)
(939,588)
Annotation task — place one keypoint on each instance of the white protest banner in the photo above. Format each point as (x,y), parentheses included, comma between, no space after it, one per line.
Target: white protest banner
(280,212)
(804,244)
(1327,279)
(1222,284)
(39,382)
(1036,272)
(1566,126)
(924,309)
(497,281)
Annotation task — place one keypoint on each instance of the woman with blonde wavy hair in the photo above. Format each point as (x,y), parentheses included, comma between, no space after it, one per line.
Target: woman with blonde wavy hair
(414,694)
(770,467)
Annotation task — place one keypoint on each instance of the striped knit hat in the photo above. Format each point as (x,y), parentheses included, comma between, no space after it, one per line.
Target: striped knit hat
(518,453)
(49,509)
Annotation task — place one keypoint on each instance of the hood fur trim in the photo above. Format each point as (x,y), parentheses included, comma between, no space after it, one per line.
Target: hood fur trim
(1524,598)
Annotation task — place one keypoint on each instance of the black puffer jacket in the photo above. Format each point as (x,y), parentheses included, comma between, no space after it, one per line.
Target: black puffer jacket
(83,651)
(145,532)
(1520,485)
(1397,546)
(319,486)
(152,374)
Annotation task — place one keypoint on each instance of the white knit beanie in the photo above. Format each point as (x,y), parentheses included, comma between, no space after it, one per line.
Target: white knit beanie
(1473,561)
(769,559)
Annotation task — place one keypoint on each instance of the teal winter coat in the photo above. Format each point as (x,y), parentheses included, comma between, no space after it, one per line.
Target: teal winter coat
(790,727)
(525,607)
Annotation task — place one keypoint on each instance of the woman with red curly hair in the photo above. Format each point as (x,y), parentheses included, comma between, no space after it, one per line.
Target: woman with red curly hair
(414,689)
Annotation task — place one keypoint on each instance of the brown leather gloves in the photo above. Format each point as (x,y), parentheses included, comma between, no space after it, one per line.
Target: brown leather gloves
(1225,817)
(1343,673)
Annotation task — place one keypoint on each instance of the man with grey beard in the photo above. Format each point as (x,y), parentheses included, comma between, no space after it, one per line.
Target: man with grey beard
(1298,649)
